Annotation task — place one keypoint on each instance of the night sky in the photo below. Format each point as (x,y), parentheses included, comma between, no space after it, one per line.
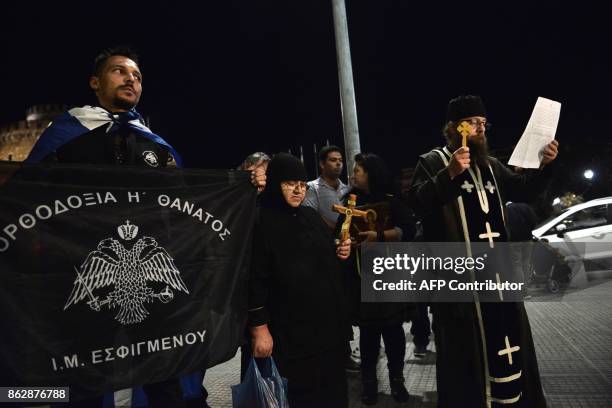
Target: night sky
(225,78)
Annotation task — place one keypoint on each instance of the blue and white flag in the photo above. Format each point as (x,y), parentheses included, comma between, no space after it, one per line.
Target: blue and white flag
(78,121)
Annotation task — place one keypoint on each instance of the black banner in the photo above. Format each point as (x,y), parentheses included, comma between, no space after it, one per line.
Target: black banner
(117,276)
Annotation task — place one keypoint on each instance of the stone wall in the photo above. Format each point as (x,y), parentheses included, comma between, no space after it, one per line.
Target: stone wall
(17,139)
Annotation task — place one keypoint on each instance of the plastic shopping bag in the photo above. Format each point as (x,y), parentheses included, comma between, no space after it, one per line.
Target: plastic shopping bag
(261,389)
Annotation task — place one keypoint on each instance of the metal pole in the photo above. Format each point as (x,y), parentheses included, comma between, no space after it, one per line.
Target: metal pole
(347,88)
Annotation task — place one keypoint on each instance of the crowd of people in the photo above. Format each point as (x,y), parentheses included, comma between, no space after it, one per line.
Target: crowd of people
(304,285)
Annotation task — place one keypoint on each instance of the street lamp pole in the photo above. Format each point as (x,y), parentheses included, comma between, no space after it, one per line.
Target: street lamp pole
(348,106)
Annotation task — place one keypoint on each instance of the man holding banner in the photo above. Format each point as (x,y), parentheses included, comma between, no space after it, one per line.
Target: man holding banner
(147,302)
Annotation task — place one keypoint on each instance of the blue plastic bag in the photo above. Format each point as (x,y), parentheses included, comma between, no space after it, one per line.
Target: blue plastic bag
(261,389)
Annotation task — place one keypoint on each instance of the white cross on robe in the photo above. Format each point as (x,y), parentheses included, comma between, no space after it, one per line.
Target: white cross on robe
(467,186)
(489,235)
(508,350)
(490,187)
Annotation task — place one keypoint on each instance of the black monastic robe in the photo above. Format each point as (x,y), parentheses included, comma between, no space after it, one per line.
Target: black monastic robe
(485,352)
(295,286)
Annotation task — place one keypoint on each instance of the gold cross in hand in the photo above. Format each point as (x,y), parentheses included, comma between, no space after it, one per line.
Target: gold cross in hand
(465,129)
(349,211)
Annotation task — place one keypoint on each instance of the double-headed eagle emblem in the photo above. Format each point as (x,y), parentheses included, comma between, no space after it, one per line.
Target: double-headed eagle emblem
(129,271)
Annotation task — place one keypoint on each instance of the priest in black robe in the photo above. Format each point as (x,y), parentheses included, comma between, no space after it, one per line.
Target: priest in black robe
(297,307)
(485,352)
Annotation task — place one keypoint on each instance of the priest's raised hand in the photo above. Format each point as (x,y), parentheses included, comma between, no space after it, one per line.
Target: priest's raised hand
(459,162)
(549,152)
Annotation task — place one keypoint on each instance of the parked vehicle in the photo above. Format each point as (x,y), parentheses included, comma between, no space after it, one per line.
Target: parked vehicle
(582,232)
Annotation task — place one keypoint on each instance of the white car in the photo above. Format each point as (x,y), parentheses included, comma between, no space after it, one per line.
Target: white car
(583,231)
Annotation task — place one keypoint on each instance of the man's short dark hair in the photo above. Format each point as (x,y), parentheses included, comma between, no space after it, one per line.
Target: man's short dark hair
(324,152)
(123,50)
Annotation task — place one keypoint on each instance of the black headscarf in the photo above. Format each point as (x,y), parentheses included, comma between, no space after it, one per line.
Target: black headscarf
(283,167)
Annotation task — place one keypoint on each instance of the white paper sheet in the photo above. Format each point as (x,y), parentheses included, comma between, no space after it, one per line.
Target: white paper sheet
(540,131)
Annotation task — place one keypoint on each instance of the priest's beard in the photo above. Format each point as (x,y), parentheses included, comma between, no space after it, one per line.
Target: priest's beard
(479,148)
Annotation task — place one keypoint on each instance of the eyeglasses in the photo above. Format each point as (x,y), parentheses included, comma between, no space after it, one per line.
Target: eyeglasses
(477,123)
(292,185)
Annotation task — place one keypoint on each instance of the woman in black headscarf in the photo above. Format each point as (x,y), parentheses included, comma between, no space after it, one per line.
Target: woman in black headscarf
(297,311)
